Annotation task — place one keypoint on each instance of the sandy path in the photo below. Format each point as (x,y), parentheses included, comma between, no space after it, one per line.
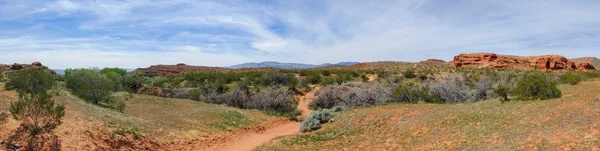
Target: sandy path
(252,140)
(304,101)
(372,77)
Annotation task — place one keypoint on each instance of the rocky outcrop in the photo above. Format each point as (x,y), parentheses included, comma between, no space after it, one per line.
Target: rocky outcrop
(545,63)
(17,66)
(595,62)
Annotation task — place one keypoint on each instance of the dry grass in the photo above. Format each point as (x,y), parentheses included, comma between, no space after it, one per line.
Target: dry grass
(570,122)
(164,120)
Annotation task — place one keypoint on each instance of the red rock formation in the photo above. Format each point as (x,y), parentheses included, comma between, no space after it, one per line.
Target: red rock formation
(546,63)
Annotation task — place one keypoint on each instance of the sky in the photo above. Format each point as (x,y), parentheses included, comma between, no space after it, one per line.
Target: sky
(139,33)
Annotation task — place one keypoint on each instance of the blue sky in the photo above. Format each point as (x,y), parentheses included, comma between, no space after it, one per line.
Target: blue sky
(131,34)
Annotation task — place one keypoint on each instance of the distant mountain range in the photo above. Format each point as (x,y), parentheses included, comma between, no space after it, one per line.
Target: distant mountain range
(282,65)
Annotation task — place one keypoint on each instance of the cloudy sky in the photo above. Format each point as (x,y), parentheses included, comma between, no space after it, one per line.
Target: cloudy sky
(138,33)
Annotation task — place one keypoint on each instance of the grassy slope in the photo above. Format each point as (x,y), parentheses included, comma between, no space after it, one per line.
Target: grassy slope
(569,122)
(165,120)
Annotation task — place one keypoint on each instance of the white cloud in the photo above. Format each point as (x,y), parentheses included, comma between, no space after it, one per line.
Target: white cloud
(229,32)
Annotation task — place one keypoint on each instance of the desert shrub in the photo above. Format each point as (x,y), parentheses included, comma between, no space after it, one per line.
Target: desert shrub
(502,91)
(118,105)
(409,93)
(409,74)
(351,96)
(315,120)
(35,107)
(536,85)
(195,94)
(124,131)
(3,117)
(339,108)
(116,75)
(483,89)
(2,77)
(93,87)
(276,100)
(277,79)
(314,79)
(453,89)
(364,78)
(134,81)
(571,78)
(90,86)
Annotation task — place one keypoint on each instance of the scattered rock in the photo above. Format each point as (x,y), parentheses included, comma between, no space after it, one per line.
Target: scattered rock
(598,99)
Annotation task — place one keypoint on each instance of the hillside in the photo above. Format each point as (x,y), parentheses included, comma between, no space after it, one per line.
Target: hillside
(593,60)
(567,123)
(164,124)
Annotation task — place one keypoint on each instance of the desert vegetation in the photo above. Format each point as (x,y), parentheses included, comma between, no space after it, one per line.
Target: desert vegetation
(35,109)
(272,92)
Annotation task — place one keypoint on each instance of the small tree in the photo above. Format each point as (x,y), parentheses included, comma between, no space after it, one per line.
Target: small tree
(90,86)
(35,108)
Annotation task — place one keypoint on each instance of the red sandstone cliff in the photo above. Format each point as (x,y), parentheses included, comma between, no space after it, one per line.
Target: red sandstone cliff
(545,63)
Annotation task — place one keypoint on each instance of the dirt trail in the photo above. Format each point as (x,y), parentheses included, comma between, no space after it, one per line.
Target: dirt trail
(304,101)
(252,140)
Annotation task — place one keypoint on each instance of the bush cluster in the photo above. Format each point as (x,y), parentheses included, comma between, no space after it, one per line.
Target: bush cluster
(314,120)
(276,100)
(571,78)
(536,85)
(453,88)
(351,95)
(94,87)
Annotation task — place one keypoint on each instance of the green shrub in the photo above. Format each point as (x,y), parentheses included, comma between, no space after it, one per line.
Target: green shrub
(2,77)
(536,85)
(35,108)
(119,106)
(502,91)
(314,79)
(93,87)
(124,131)
(90,86)
(409,74)
(134,81)
(409,93)
(315,120)
(3,117)
(571,78)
